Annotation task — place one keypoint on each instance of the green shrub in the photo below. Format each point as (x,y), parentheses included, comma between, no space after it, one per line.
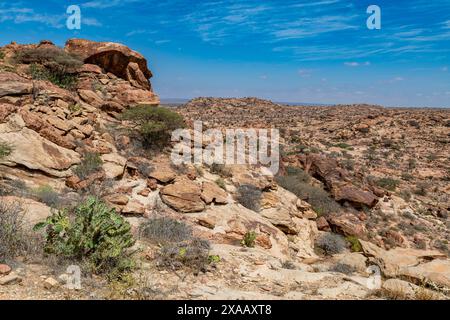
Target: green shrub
(249,196)
(165,230)
(47,195)
(154,124)
(52,64)
(318,198)
(343,145)
(355,245)
(192,254)
(221,183)
(5,150)
(249,239)
(2,55)
(388,183)
(92,232)
(61,79)
(422,188)
(91,163)
(299,173)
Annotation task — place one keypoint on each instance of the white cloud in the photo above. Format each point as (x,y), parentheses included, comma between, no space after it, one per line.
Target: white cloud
(357,64)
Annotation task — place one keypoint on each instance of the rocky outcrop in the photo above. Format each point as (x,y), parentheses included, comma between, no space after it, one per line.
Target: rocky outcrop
(337,180)
(114,58)
(34,152)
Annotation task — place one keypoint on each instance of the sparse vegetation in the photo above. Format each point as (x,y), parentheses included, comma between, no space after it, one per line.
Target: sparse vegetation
(12,235)
(2,55)
(165,230)
(47,195)
(249,196)
(52,64)
(319,199)
(90,164)
(5,150)
(191,254)
(355,245)
(221,170)
(154,124)
(249,239)
(331,243)
(388,183)
(221,183)
(91,233)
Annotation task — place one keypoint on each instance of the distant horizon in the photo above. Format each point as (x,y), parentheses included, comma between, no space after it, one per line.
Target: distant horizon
(294,103)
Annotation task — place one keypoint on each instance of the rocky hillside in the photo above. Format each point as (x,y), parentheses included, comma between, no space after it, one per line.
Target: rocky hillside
(209,232)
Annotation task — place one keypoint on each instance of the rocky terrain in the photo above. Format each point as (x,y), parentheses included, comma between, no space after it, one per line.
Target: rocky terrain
(361,188)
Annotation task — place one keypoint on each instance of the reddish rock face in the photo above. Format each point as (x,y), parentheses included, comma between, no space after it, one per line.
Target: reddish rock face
(113,57)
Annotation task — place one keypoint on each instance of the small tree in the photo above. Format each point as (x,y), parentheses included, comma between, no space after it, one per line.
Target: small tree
(154,124)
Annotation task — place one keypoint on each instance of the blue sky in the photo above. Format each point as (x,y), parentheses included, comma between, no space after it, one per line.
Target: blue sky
(291,51)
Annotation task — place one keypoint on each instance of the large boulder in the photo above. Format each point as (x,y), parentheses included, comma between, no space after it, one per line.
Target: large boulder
(12,84)
(34,152)
(184,196)
(422,265)
(114,58)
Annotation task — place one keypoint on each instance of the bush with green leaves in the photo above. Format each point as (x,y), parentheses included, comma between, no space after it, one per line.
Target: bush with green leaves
(249,239)
(165,230)
(93,233)
(249,196)
(2,55)
(91,163)
(5,150)
(154,124)
(388,183)
(52,64)
(355,245)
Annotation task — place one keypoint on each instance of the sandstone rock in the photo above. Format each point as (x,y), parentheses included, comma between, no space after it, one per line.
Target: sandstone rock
(437,271)
(119,199)
(322,224)
(12,84)
(337,180)
(347,191)
(211,192)
(229,223)
(34,211)
(36,153)
(90,68)
(184,196)
(306,209)
(114,58)
(50,283)
(90,97)
(348,224)
(4,269)
(133,207)
(113,165)
(152,184)
(355,260)
(163,173)
(10,279)
(398,261)
(59,123)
